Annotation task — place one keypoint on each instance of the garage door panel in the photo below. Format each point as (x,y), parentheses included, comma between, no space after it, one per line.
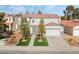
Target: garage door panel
(53,32)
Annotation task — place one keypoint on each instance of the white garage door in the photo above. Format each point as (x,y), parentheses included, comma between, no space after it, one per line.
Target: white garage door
(51,32)
(76,32)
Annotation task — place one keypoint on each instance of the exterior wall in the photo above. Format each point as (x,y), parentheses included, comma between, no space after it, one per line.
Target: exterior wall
(51,20)
(46,21)
(9,19)
(62,29)
(35,21)
(68,30)
(76,27)
(76,31)
(33,30)
(16,21)
(14,25)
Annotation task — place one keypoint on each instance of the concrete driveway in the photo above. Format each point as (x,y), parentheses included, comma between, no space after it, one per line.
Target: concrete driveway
(59,44)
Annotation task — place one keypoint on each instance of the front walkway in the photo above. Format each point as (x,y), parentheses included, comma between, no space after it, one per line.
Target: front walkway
(32,40)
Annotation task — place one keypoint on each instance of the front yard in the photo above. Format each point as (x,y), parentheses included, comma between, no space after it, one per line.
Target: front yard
(24,42)
(40,42)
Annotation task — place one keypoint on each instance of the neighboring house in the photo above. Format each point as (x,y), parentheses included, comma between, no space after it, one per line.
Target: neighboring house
(71,27)
(51,22)
(9,22)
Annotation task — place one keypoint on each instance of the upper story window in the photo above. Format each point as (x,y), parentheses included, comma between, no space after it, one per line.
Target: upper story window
(9,19)
(33,20)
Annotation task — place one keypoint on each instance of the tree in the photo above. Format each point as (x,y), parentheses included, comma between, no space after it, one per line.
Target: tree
(41,27)
(70,8)
(62,17)
(68,13)
(2,14)
(39,12)
(2,21)
(76,13)
(25,28)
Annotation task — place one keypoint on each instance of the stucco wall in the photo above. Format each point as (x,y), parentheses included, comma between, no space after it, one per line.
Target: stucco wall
(76,31)
(37,20)
(68,30)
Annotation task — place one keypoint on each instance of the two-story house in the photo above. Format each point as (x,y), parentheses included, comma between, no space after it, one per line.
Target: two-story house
(51,22)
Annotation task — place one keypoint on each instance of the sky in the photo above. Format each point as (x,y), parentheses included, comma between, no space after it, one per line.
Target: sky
(46,9)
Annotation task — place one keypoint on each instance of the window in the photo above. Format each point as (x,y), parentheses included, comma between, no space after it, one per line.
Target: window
(33,21)
(9,19)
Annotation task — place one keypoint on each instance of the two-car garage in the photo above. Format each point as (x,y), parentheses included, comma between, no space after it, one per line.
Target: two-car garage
(52,32)
(53,29)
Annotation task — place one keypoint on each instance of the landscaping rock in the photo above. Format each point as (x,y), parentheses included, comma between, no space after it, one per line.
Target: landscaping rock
(24,40)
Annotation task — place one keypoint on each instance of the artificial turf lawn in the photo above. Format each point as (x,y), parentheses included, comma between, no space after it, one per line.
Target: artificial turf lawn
(43,43)
(24,43)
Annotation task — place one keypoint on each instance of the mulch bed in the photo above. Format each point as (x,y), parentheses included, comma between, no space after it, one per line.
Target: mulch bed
(71,41)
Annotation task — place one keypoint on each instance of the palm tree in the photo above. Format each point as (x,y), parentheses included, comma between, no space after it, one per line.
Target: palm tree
(69,11)
(76,13)
(39,12)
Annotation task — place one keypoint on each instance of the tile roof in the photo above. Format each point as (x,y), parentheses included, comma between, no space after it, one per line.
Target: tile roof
(69,23)
(42,16)
(54,16)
